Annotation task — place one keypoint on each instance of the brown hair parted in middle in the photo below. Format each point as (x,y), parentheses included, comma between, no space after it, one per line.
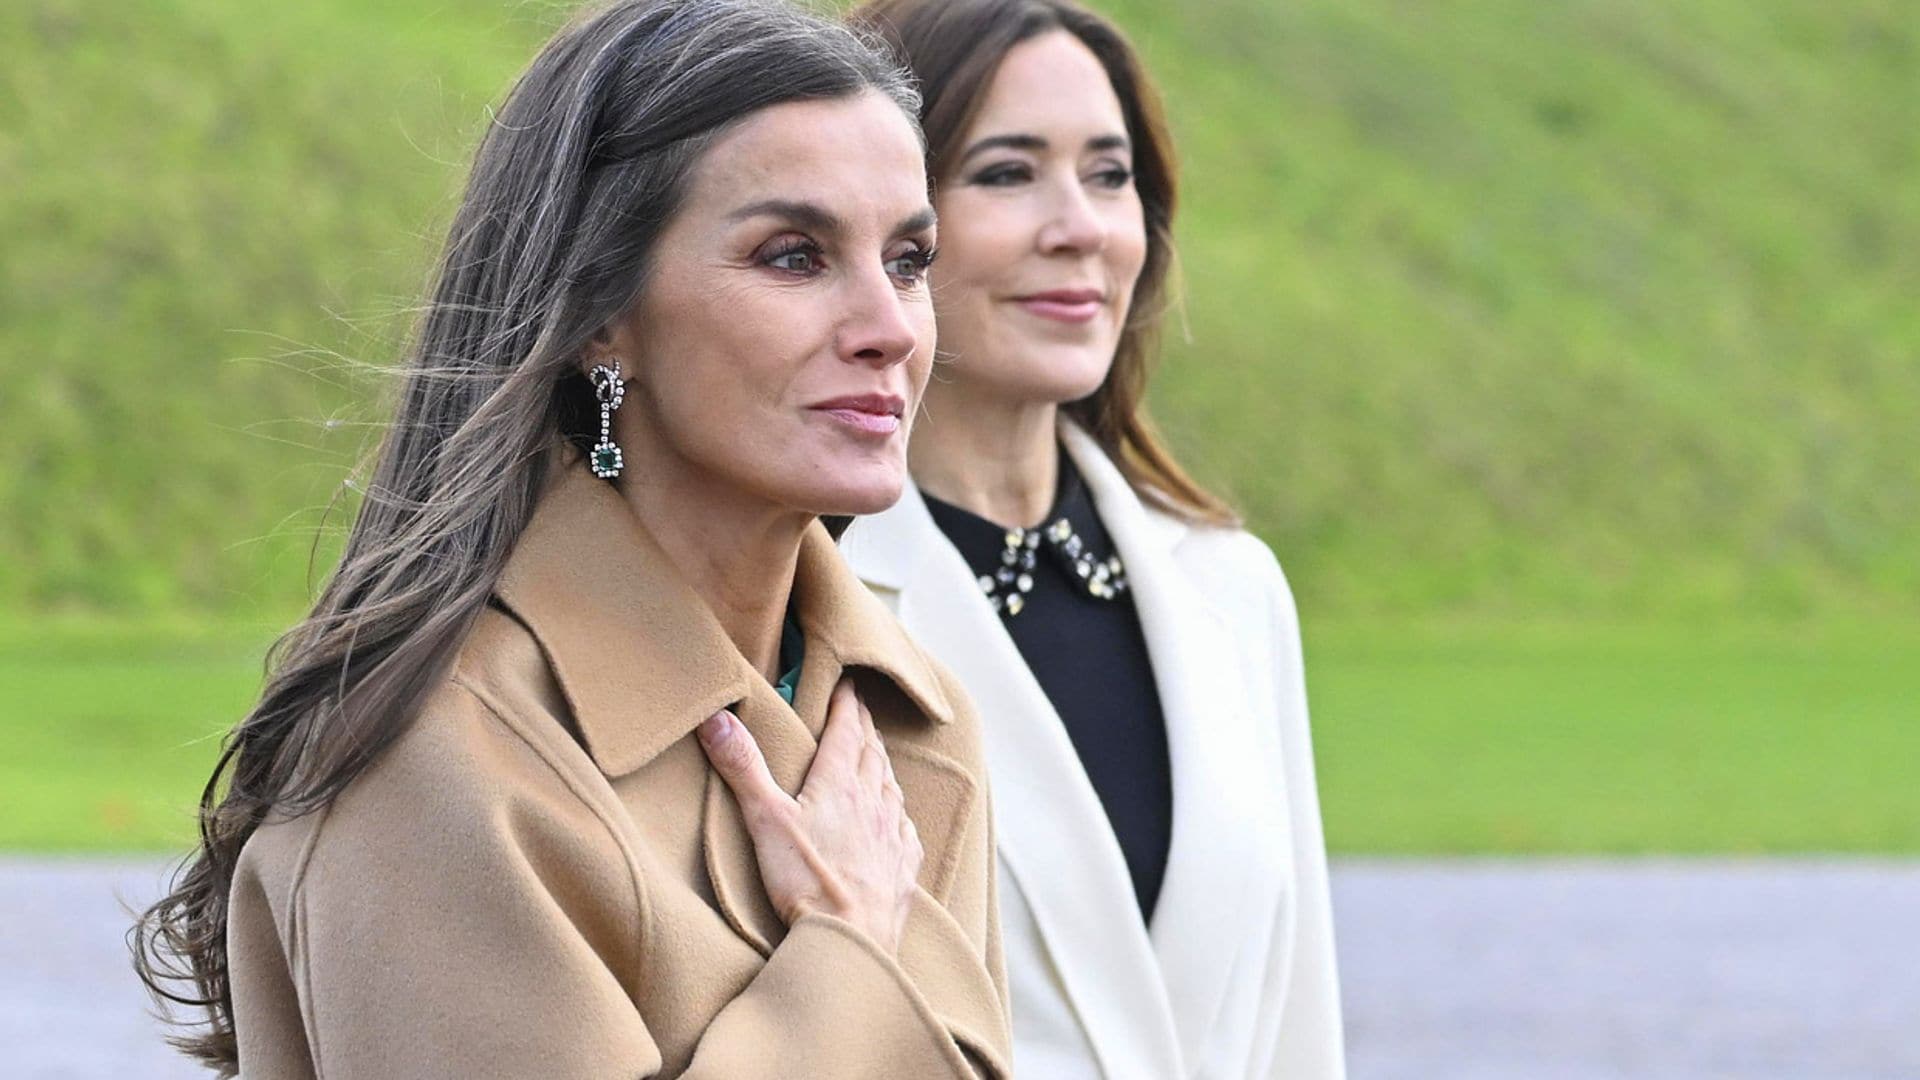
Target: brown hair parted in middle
(954,47)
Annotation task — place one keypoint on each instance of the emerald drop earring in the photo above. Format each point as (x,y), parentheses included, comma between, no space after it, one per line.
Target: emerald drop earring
(605,458)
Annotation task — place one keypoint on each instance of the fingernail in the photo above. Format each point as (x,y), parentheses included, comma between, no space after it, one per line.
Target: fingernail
(715,729)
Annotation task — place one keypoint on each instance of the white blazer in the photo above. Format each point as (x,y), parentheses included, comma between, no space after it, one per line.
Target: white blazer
(1236,977)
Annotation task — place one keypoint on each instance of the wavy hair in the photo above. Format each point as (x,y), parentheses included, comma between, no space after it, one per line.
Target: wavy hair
(573,182)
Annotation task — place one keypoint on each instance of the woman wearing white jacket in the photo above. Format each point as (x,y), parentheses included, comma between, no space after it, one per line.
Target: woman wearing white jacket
(1135,654)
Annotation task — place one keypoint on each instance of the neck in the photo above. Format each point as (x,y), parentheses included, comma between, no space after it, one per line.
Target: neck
(738,552)
(995,458)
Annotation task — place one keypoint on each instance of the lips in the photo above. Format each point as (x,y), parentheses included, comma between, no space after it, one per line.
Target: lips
(874,414)
(1064,305)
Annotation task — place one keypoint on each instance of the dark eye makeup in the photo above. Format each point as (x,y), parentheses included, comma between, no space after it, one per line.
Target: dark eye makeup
(792,253)
(1004,174)
(1009,173)
(913,264)
(803,257)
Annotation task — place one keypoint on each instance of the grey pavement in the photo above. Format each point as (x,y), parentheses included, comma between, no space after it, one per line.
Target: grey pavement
(1579,970)
(1477,970)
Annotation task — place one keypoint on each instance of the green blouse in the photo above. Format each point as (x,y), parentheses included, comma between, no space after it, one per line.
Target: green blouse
(792,650)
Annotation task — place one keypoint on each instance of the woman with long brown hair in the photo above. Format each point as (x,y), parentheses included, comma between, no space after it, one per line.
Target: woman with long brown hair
(1136,654)
(593,758)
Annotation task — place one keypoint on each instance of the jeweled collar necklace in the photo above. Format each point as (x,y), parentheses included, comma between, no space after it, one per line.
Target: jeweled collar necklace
(1006,560)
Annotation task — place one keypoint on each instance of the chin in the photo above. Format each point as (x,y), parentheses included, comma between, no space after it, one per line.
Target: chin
(856,491)
(859,503)
(866,504)
(1072,374)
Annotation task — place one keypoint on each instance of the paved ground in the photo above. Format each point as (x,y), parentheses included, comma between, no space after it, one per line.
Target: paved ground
(1544,970)
(1581,970)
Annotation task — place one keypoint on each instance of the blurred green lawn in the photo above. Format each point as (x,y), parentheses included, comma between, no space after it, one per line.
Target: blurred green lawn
(1618,738)
(1436,738)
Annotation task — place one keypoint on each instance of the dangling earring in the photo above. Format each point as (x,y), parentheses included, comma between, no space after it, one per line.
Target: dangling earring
(605,459)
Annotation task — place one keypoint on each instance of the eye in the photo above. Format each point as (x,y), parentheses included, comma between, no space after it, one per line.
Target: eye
(795,256)
(911,267)
(1114,177)
(1005,174)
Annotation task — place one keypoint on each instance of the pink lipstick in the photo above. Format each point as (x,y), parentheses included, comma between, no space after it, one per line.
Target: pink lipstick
(873,414)
(1064,305)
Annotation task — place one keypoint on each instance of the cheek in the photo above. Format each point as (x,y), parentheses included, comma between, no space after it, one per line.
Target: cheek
(1127,245)
(975,266)
(920,365)
(753,339)
(1125,260)
(714,367)
(697,374)
(988,237)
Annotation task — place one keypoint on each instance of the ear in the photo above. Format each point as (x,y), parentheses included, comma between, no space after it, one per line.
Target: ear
(617,340)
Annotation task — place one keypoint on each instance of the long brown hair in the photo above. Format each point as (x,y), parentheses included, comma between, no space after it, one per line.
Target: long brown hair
(572,185)
(953,47)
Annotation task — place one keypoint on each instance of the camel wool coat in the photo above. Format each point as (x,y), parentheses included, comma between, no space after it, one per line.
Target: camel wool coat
(543,877)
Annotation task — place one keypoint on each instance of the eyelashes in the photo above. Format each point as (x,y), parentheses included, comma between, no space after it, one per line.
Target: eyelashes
(918,261)
(797,250)
(1002,175)
(1008,174)
(803,257)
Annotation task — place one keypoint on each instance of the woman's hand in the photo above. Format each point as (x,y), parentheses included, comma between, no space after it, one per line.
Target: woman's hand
(845,846)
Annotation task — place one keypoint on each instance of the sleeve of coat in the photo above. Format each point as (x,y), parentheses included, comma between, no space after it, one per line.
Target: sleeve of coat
(1308,1041)
(471,920)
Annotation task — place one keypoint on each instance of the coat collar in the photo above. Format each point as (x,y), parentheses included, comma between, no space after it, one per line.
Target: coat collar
(887,549)
(1114,496)
(1148,1000)
(1227,832)
(640,657)
(642,661)
(1053,837)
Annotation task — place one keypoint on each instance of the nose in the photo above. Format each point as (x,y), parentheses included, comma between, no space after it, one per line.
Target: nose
(1073,227)
(879,329)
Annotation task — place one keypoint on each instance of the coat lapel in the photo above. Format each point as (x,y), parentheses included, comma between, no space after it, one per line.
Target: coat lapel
(1053,834)
(847,632)
(1222,865)
(642,661)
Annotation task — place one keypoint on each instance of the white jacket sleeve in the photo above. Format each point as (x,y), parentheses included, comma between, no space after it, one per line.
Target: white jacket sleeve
(1303,1035)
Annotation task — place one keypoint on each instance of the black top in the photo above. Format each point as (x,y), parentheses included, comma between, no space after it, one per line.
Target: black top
(1090,657)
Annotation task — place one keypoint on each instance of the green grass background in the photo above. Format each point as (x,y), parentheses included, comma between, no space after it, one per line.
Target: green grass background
(1568,355)
(1441,737)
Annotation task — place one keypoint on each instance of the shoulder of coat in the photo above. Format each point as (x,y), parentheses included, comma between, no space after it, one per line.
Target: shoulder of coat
(1230,554)
(492,734)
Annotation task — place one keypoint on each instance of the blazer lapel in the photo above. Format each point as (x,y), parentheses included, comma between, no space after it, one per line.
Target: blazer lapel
(1224,864)
(1053,835)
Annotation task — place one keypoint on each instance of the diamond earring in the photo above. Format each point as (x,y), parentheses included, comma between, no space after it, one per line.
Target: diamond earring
(605,459)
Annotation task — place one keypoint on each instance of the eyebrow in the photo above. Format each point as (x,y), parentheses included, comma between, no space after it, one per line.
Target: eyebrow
(1036,143)
(811,215)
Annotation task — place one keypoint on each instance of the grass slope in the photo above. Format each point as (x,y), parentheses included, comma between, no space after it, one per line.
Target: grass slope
(1493,308)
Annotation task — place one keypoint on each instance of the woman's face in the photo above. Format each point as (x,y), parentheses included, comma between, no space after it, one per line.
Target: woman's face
(1042,235)
(785,333)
